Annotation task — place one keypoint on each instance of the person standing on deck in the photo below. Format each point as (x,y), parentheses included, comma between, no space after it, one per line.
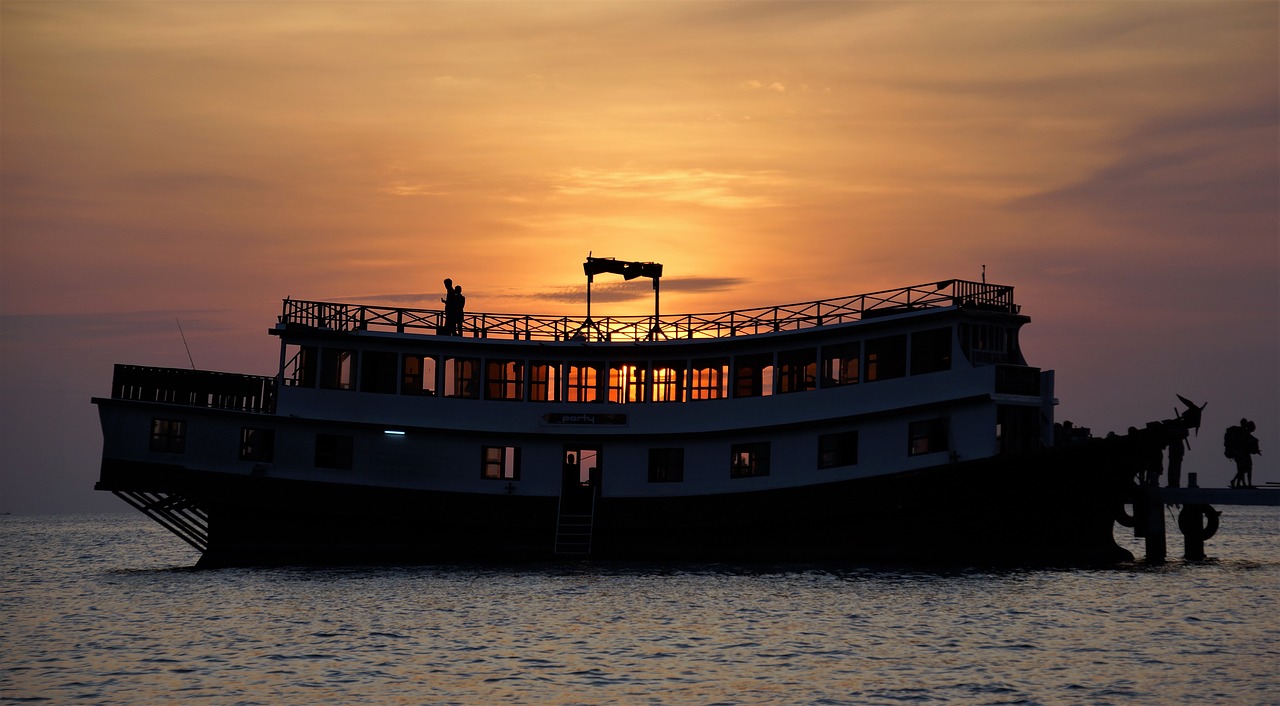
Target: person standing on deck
(452,309)
(459,302)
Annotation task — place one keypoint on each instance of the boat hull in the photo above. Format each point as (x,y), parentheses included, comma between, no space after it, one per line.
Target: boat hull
(1055,506)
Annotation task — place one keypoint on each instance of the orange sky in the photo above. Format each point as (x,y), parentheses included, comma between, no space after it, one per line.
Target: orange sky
(1117,162)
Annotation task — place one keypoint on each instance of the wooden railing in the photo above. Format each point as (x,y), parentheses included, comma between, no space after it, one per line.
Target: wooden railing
(353,317)
(195,388)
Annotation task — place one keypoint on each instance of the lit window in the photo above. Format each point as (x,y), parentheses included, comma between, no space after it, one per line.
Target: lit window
(418,375)
(626,383)
(504,380)
(797,370)
(749,460)
(500,462)
(544,382)
(668,382)
(462,378)
(840,364)
(583,382)
(754,375)
(709,379)
(337,369)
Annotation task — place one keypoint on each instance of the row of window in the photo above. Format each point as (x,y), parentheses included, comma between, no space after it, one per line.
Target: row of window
(751,375)
(666,465)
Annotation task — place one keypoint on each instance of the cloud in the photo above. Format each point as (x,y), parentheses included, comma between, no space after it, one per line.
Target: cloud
(704,187)
(1210,163)
(32,328)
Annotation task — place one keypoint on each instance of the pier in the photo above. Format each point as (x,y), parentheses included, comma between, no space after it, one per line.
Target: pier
(1197,518)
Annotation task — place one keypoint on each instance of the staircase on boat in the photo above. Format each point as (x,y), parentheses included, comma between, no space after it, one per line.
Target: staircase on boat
(174,512)
(575,520)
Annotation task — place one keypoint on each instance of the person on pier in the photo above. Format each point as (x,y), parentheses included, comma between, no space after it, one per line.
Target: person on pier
(1241,445)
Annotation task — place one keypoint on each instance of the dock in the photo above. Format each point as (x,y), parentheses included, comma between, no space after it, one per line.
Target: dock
(1197,518)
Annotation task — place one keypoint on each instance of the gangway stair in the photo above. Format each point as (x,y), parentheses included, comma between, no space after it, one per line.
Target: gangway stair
(574,524)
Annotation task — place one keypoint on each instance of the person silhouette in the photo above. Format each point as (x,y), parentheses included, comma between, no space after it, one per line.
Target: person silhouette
(453,302)
(1241,446)
(459,303)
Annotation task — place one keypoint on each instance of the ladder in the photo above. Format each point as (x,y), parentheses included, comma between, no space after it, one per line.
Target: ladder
(181,516)
(573,527)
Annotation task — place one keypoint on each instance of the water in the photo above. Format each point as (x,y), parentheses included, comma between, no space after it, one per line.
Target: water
(102,610)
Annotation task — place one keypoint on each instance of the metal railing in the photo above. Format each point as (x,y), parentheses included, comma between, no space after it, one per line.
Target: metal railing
(787,317)
(195,388)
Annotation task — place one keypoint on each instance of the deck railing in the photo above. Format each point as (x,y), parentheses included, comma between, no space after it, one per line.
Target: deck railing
(787,317)
(195,388)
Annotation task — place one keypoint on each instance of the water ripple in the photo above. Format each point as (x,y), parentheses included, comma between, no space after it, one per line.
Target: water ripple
(128,623)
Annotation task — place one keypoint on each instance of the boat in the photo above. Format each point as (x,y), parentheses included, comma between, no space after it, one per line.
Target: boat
(898,426)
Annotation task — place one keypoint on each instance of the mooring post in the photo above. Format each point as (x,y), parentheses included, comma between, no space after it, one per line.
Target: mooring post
(1152,519)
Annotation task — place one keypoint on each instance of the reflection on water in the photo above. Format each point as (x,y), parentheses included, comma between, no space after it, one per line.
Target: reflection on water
(102,609)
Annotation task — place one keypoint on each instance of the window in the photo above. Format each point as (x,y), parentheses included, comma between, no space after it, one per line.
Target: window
(500,462)
(461,378)
(378,372)
(927,436)
(886,358)
(753,376)
(930,351)
(337,369)
(257,445)
(334,451)
(300,366)
(169,436)
(668,382)
(418,375)
(749,460)
(504,380)
(840,364)
(666,465)
(583,382)
(626,383)
(797,370)
(984,343)
(838,449)
(1017,428)
(709,379)
(544,382)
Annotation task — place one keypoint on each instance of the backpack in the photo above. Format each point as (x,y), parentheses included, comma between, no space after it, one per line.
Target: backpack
(1231,442)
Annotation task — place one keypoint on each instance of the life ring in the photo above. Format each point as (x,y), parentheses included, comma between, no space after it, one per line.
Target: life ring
(1189,521)
(1123,517)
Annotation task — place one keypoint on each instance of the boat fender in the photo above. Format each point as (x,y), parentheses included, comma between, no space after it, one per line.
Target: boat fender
(1123,517)
(1189,521)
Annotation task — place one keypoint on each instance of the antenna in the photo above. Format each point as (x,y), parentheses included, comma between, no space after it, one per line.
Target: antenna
(184,343)
(984,274)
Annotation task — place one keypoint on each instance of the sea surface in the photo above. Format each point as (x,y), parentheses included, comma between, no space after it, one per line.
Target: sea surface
(105,609)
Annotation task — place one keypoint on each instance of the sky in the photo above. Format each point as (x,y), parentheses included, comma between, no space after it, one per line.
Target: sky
(170,171)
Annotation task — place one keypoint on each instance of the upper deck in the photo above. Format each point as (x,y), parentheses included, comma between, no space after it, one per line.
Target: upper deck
(535,327)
